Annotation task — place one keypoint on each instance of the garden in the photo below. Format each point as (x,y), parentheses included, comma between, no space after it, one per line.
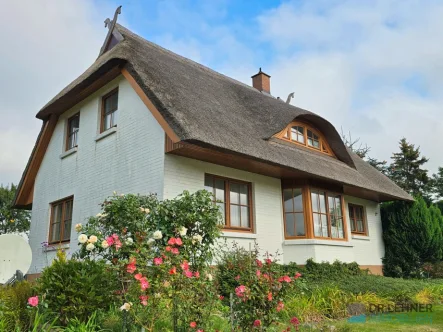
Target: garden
(150,265)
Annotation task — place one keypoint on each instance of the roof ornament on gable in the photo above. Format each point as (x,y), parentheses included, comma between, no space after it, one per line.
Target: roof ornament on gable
(113,37)
(290,96)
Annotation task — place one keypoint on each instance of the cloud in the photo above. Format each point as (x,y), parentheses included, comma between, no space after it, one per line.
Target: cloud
(45,45)
(372,67)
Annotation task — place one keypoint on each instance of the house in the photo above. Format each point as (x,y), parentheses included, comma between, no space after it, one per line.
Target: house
(142,119)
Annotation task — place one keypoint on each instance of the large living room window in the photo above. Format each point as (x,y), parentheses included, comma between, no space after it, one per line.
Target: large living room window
(61,220)
(313,213)
(234,199)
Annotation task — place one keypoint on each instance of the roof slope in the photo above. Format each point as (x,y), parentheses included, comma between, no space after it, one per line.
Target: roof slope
(206,107)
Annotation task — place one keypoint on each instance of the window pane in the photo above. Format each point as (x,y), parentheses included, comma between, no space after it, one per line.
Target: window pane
(298,200)
(353,225)
(314,198)
(209,183)
(107,122)
(68,212)
(331,202)
(114,118)
(337,227)
(245,217)
(235,216)
(316,144)
(220,190)
(287,197)
(322,199)
(300,224)
(324,225)
(221,206)
(67,230)
(57,213)
(351,212)
(317,224)
(111,103)
(360,226)
(244,199)
(310,142)
(55,232)
(337,206)
(290,229)
(235,193)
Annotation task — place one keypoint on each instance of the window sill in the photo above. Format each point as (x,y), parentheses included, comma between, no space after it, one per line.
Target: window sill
(361,237)
(69,152)
(106,133)
(56,246)
(318,242)
(239,235)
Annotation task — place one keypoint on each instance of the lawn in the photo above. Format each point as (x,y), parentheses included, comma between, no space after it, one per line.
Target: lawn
(417,322)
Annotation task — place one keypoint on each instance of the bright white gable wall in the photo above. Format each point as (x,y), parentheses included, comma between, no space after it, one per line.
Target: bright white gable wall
(128,161)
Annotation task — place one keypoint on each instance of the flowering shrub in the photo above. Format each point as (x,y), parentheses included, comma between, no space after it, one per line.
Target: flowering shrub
(160,251)
(259,288)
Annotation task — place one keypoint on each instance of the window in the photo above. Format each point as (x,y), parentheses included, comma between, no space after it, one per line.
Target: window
(327,215)
(61,219)
(357,219)
(72,135)
(234,199)
(109,110)
(294,213)
(302,134)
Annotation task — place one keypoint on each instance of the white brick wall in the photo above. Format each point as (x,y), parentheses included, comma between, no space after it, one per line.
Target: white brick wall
(184,173)
(128,161)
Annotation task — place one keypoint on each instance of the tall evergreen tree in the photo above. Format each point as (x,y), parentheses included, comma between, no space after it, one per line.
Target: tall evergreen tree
(437,183)
(381,166)
(406,169)
(12,220)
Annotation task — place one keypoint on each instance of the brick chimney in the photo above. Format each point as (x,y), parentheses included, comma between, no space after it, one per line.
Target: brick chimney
(262,82)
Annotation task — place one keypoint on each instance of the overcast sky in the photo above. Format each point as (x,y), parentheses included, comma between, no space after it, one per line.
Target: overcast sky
(374,68)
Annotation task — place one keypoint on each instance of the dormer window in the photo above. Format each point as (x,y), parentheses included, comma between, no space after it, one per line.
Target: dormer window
(303,134)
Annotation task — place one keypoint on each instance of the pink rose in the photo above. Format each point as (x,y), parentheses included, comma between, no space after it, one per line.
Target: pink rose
(168,248)
(33,301)
(188,273)
(193,325)
(285,279)
(144,300)
(297,275)
(269,296)
(110,240)
(175,251)
(171,241)
(144,283)
(197,274)
(178,241)
(280,306)
(258,273)
(257,322)
(294,321)
(185,265)
(138,276)
(259,263)
(158,261)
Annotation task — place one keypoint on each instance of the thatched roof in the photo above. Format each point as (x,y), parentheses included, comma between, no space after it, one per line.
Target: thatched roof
(208,108)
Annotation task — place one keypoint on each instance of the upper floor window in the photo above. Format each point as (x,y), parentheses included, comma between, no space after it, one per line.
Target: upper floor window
(357,219)
(234,199)
(72,134)
(303,134)
(109,110)
(61,220)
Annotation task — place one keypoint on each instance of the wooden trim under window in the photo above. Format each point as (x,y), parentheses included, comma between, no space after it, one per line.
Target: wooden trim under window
(103,112)
(353,219)
(227,202)
(64,219)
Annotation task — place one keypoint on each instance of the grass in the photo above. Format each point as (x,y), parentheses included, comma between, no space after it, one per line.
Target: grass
(414,321)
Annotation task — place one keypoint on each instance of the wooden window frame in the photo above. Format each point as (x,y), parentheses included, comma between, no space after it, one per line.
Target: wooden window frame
(227,226)
(308,212)
(353,221)
(62,225)
(68,132)
(102,111)
(286,135)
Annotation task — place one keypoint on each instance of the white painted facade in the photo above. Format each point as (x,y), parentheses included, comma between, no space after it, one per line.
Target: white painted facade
(130,159)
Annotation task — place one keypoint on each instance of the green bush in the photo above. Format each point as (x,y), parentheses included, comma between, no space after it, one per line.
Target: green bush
(13,307)
(75,289)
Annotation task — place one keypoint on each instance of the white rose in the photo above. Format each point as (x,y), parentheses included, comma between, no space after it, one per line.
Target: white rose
(92,239)
(78,227)
(197,238)
(105,244)
(150,240)
(157,235)
(209,276)
(182,231)
(82,238)
(157,295)
(90,247)
(126,306)
(145,210)
(129,241)
(99,215)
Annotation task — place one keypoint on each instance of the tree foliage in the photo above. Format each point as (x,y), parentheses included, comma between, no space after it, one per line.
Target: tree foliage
(412,234)
(12,220)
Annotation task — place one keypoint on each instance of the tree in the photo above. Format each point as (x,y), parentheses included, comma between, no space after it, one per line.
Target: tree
(406,169)
(381,166)
(412,235)
(12,220)
(360,150)
(437,183)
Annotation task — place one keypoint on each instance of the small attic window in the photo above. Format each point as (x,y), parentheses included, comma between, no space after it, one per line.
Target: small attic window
(303,134)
